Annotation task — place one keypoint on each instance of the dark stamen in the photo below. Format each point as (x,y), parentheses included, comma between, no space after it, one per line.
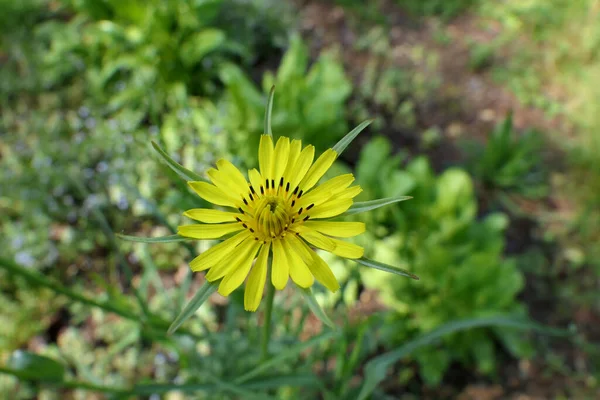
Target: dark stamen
(287,187)
(251,198)
(262,190)
(273,183)
(300,194)
(281,182)
(309,207)
(252,189)
(240,210)
(251,230)
(245,226)
(300,211)
(237,219)
(255,238)
(267,183)
(245,201)
(307,217)
(293,202)
(296,190)
(293,219)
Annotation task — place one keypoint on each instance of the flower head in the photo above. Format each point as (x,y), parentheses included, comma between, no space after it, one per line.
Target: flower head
(279,211)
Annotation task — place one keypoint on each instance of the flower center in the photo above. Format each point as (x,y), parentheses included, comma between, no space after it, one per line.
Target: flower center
(272,215)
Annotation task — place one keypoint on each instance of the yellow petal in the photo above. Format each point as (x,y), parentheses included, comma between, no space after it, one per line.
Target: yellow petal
(280,270)
(213,194)
(315,238)
(325,191)
(295,149)
(347,250)
(255,179)
(210,216)
(299,272)
(318,169)
(208,231)
(301,248)
(330,208)
(339,229)
(256,280)
(233,259)
(223,182)
(302,166)
(282,151)
(322,272)
(349,193)
(236,275)
(216,253)
(234,175)
(265,156)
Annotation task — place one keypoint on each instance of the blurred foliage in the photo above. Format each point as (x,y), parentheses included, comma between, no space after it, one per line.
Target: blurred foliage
(442,8)
(437,236)
(510,161)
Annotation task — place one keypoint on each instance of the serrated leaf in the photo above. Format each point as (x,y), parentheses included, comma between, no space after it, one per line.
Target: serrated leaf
(269,112)
(385,267)
(194,304)
(376,369)
(36,367)
(178,168)
(364,206)
(346,140)
(159,239)
(315,307)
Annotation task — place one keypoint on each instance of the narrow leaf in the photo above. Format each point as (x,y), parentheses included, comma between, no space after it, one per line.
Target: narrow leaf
(269,112)
(385,267)
(376,369)
(346,140)
(315,307)
(32,366)
(364,206)
(178,168)
(159,239)
(284,355)
(194,304)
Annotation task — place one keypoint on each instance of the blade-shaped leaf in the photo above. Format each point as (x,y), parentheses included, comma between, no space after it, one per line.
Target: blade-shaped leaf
(194,304)
(385,267)
(33,366)
(269,112)
(376,369)
(178,168)
(315,307)
(346,140)
(364,206)
(159,239)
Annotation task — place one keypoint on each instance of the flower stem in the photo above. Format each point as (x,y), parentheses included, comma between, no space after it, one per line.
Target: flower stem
(268,313)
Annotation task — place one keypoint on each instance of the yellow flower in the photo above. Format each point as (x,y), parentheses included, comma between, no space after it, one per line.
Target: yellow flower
(280,210)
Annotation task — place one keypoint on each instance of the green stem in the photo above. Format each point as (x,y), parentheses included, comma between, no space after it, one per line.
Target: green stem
(268,313)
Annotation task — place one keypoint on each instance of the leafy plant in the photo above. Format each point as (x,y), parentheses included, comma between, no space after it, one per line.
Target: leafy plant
(510,161)
(437,236)
(442,8)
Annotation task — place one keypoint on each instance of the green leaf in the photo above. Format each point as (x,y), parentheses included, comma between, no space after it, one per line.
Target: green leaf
(315,307)
(194,304)
(269,112)
(179,169)
(200,44)
(376,369)
(364,206)
(346,140)
(284,355)
(159,239)
(36,367)
(385,267)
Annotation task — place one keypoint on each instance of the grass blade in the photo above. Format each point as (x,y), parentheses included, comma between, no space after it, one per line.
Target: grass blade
(315,307)
(178,168)
(194,304)
(269,112)
(385,267)
(346,140)
(376,369)
(159,239)
(364,206)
